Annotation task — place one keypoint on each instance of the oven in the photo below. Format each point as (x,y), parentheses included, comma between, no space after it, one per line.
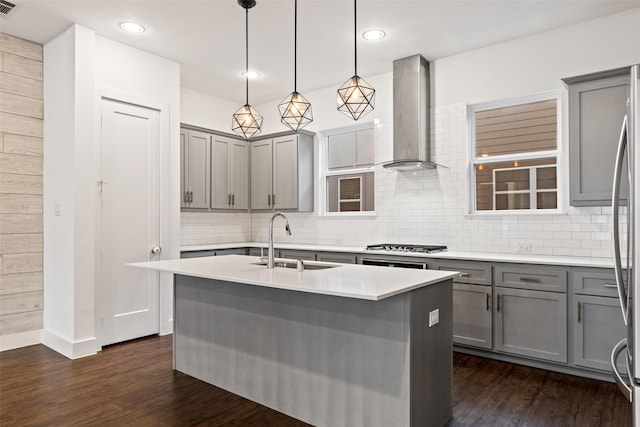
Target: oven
(394,263)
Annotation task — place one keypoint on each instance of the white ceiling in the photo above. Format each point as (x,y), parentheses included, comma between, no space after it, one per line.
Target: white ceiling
(207,36)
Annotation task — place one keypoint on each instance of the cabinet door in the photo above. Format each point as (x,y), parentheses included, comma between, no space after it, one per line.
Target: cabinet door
(239,175)
(472,315)
(596,110)
(197,181)
(285,172)
(531,323)
(261,174)
(220,152)
(597,328)
(183,169)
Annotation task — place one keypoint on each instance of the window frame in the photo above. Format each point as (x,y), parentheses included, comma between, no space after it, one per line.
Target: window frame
(324,172)
(473,160)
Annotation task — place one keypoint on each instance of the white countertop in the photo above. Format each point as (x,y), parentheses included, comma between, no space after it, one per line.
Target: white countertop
(461,255)
(345,280)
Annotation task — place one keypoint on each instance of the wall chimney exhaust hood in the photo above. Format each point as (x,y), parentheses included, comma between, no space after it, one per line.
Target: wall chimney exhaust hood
(411,145)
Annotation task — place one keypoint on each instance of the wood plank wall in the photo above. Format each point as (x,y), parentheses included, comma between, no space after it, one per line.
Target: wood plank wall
(21,159)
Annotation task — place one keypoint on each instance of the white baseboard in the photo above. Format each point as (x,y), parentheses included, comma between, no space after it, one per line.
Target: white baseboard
(72,350)
(22,339)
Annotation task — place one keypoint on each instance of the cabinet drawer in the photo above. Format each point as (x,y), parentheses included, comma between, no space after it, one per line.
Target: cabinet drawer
(294,254)
(475,273)
(341,258)
(597,282)
(526,277)
(196,254)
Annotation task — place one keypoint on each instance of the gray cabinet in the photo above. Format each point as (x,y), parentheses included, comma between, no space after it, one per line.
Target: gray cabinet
(229,173)
(597,328)
(531,323)
(472,302)
(197,254)
(596,318)
(597,105)
(282,173)
(296,254)
(350,149)
(339,257)
(195,157)
(472,315)
(214,252)
(531,311)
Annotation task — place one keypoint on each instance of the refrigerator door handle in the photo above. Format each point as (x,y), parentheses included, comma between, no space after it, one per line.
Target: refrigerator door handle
(622,385)
(615,219)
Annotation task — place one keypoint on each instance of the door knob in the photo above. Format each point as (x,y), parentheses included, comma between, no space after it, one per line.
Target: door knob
(155,250)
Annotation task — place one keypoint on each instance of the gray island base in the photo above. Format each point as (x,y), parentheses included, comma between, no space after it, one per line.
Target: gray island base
(323,359)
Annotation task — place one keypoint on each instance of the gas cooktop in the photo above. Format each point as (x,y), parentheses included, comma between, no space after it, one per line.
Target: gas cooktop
(406,248)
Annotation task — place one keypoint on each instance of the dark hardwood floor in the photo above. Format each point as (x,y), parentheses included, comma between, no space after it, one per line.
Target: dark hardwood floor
(133,384)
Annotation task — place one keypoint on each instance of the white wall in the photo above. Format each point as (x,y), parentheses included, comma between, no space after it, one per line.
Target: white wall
(69,151)
(431,206)
(79,68)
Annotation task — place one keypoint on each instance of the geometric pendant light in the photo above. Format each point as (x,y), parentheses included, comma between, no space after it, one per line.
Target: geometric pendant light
(356,97)
(246,121)
(295,110)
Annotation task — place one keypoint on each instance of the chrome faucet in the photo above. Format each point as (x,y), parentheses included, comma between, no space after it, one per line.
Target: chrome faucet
(270,261)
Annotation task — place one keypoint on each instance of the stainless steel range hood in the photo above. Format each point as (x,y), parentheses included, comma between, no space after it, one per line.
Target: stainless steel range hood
(411,145)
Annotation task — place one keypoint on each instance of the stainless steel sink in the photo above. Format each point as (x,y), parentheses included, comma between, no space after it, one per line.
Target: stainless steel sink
(294,265)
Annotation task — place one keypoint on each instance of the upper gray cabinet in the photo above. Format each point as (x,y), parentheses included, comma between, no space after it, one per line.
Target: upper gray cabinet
(282,173)
(350,149)
(195,149)
(597,105)
(229,173)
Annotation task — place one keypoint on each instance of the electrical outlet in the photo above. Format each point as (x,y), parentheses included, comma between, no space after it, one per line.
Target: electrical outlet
(524,248)
(434,317)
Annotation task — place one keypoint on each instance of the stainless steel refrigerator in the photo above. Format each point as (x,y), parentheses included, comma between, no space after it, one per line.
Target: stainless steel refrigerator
(627,352)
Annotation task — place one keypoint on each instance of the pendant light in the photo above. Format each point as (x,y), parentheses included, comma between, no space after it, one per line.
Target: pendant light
(295,110)
(246,121)
(356,97)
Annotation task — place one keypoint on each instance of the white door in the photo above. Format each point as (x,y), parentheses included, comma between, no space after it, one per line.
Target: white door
(129,221)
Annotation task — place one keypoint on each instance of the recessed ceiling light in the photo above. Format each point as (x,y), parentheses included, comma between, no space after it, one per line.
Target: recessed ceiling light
(251,74)
(132,27)
(373,34)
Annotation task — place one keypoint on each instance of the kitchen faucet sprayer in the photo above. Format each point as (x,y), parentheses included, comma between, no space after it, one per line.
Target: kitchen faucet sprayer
(271,259)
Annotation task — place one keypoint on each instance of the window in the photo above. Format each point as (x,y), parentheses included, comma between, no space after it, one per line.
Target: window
(348,172)
(514,155)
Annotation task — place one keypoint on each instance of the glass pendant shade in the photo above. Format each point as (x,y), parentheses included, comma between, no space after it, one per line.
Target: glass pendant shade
(246,121)
(356,97)
(295,111)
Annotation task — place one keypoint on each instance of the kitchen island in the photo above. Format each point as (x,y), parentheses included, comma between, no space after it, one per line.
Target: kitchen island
(344,345)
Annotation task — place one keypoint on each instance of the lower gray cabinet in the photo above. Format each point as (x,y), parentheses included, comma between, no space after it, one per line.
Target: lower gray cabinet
(531,323)
(296,254)
(597,328)
(338,257)
(197,254)
(232,251)
(472,316)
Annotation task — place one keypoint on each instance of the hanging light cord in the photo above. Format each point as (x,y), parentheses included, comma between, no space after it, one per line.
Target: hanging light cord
(246,53)
(355,38)
(295,45)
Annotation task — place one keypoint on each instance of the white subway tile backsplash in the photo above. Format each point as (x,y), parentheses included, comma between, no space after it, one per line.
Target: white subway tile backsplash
(423,207)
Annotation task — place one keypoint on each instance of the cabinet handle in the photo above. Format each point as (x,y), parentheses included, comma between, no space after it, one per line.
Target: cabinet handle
(488,308)
(464,274)
(610,285)
(579,312)
(529,279)
(233,200)
(229,199)
(498,307)
(269,199)
(185,197)
(273,199)
(191,196)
